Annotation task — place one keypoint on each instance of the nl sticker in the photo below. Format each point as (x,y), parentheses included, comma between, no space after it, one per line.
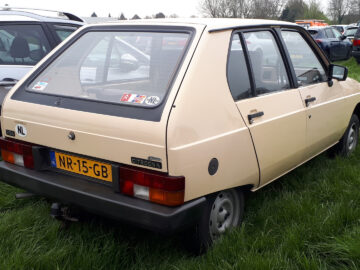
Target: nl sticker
(40,86)
(152,100)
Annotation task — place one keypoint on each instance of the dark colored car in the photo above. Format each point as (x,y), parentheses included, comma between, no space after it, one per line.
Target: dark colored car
(356,46)
(350,32)
(335,45)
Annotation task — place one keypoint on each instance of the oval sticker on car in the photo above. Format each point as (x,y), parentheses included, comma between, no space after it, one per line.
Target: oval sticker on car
(20,130)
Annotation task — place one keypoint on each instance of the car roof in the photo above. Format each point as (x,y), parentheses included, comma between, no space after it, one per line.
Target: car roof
(39,15)
(213,24)
(317,28)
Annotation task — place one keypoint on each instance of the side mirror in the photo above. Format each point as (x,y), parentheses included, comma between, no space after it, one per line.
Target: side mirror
(342,37)
(338,72)
(128,63)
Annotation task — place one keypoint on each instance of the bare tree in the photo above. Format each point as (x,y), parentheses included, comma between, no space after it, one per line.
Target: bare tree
(217,8)
(338,9)
(174,15)
(267,9)
(242,8)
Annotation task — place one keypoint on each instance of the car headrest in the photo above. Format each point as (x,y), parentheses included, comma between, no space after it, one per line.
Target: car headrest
(19,48)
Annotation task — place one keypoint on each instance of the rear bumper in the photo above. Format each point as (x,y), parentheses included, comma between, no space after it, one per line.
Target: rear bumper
(103,200)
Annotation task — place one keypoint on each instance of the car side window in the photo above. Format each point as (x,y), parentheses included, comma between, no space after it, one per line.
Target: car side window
(267,64)
(237,72)
(336,32)
(308,68)
(329,33)
(22,44)
(63,31)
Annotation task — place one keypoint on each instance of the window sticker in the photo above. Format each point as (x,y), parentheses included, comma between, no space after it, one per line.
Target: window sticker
(152,100)
(133,98)
(40,86)
(138,99)
(125,97)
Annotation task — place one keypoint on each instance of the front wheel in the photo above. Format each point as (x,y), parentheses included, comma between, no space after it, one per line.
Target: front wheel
(350,139)
(224,211)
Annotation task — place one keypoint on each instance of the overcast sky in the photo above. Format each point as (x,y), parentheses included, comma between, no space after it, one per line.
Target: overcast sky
(184,8)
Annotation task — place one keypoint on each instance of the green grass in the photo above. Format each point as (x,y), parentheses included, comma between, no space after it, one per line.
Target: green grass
(308,219)
(353,66)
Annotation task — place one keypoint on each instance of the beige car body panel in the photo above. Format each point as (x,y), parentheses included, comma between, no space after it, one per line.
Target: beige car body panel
(95,133)
(201,121)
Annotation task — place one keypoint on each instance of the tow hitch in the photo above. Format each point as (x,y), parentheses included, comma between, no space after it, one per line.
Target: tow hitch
(63,212)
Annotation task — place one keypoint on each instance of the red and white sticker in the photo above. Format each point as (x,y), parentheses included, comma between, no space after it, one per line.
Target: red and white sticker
(125,97)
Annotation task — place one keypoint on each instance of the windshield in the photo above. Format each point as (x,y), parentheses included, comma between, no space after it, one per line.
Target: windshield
(131,68)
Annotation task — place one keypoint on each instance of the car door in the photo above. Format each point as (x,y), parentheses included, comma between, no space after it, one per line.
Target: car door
(273,112)
(334,46)
(324,106)
(343,44)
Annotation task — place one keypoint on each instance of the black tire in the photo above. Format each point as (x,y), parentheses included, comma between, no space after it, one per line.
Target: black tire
(218,210)
(348,142)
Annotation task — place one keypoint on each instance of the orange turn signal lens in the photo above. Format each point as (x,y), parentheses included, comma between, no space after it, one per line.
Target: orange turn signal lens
(170,198)
(8,156)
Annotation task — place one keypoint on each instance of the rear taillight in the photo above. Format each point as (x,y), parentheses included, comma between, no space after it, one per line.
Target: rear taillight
(318,40)
(153,186)
(356,42)
(18,153)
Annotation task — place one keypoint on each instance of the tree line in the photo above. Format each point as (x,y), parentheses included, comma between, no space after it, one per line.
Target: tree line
(334,11)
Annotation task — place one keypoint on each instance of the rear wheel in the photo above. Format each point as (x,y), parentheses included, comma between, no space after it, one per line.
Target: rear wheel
(224,211)
(350,139)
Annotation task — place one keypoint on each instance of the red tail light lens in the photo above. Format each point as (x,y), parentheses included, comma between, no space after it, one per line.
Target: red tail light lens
(17,153)
(318,40)
(356,42)
(152,186)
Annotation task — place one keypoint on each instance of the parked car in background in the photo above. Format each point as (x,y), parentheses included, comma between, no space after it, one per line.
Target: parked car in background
(26,36)
(356,46)
(310,23)
(336,46)
(212,115)
(341,28)
(350,32)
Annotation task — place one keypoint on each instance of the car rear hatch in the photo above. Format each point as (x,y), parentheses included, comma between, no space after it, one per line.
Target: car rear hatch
(103,98)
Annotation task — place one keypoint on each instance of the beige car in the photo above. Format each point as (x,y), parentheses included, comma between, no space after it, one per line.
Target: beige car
(164,124)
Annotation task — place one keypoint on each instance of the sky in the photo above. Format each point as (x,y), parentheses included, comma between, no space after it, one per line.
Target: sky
(183,8)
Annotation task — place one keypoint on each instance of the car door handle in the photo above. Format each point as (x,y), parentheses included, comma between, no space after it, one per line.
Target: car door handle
(254,115)
(5,83)
(308,100)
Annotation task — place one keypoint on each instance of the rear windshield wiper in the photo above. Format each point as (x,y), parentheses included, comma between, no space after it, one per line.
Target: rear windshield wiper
(8,82)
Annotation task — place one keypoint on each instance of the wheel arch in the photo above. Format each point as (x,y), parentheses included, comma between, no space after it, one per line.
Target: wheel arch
(357,110)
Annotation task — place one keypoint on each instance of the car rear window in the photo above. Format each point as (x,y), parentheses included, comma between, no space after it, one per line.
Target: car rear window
(130,68)
(350,32)
(314,33)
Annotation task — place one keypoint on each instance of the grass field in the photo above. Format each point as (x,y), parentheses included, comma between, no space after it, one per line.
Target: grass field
(309,219)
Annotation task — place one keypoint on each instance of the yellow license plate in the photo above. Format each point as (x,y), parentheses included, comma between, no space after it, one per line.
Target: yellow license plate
(83,166)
